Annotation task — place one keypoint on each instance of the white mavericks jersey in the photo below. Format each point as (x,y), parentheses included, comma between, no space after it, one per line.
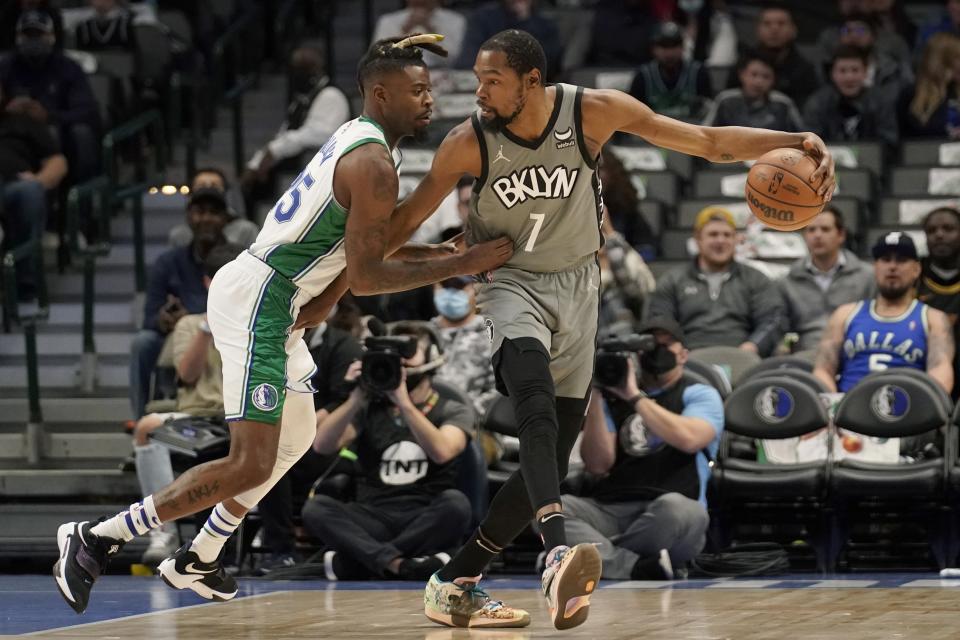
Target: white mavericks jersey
(302,237)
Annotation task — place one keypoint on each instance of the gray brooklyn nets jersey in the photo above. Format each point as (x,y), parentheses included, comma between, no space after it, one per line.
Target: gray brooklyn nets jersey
(542,193)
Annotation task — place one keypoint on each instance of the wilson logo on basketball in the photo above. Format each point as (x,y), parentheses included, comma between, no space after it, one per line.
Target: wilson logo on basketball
(531,183)
(768,211)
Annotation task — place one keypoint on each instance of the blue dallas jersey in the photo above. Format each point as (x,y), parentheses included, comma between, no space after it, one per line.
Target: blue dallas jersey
(873,343)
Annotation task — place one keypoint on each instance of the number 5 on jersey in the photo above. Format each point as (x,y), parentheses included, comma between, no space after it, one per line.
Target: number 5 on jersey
(537,224)
(283,213)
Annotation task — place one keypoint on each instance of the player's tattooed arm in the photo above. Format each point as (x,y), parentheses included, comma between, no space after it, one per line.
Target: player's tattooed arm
(828,352)
(458,154)
(940,349)
(607,111)
(368,178)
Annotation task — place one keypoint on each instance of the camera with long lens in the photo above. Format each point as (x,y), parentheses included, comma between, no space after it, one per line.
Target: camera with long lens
(610,368)
(382,362)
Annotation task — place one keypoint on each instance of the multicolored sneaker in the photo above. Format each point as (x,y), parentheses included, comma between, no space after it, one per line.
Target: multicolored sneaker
(570,577)
(83,557)
(462,603)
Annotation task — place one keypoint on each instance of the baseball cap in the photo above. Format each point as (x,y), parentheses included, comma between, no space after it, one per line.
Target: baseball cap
(668,34)
(713,213)
(209,194)
(663,323)
(34,20)
(456,282)
(896,242)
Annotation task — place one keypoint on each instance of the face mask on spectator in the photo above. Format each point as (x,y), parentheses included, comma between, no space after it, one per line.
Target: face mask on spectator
(452,304)
(304,82)
(658,361)
(34,50)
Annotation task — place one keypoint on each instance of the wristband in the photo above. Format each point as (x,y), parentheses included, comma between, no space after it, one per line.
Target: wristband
(637,398)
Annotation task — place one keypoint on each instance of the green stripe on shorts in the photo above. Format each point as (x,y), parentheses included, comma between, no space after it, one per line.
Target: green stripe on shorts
(267,367)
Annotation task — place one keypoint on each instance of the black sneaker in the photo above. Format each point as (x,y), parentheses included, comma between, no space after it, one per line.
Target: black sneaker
(656,567)
(83,557)
(185,570)
(421,568)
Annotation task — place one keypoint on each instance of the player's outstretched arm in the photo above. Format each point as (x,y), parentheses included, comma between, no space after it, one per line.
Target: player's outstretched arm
(366,183)
(459,153)
(607,111)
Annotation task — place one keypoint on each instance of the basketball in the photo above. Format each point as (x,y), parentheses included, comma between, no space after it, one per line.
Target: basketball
(779,191)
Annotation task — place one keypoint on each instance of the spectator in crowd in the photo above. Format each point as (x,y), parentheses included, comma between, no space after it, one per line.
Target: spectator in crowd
(466,345)
(846,110)
(333,349)
(111,27)
(828,277)
(425,16)
(42,82)
(11,11)
(621,33)
(495,17)
(755,103)
(860,27)
(621,204)
(708,33)
(886,73)
(316,110)
(408,512)
(31,165)
(668,84)
(199,395)
(717,301)
(175,288)
(947,22)
(892,20)
(239,231)
(931,109)
(894,329)
(626,282)
(647,439)
(776,39)
(939,284)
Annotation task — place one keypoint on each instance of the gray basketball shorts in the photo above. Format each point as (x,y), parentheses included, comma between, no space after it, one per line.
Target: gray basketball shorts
(560,309)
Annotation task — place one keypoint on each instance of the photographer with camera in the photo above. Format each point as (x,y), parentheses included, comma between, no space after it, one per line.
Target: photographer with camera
(649,437)
(407,436)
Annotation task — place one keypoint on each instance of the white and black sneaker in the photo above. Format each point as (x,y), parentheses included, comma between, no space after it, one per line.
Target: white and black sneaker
(185,570)
(83,557)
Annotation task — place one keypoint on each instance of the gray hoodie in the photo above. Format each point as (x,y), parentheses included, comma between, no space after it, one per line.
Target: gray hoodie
(808,307)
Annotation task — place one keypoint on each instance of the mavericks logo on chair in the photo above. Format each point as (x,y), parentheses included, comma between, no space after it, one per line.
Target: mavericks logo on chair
(774,405)
(890,403)
(265,397)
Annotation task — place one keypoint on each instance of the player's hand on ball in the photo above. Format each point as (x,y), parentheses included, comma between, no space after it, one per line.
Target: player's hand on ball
(486,256)
(816,147)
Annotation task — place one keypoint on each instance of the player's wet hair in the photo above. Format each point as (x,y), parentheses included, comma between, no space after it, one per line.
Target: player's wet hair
(393,54)
(523,51)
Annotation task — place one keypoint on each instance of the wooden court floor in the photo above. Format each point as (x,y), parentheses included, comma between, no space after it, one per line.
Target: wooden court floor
(617,614)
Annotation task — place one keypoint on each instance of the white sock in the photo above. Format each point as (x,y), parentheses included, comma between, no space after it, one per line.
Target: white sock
(210,540)
(140,518)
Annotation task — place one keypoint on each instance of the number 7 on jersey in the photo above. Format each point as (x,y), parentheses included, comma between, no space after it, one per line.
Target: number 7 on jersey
(537,224)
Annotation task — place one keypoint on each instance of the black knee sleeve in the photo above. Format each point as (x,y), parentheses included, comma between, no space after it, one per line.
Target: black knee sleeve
(523,366)
(570,416)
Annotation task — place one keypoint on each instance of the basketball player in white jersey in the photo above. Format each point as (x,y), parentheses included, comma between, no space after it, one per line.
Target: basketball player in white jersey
(330,230)
(533,149)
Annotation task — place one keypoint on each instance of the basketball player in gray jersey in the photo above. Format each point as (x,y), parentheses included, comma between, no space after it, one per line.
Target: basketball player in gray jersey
(533,149)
